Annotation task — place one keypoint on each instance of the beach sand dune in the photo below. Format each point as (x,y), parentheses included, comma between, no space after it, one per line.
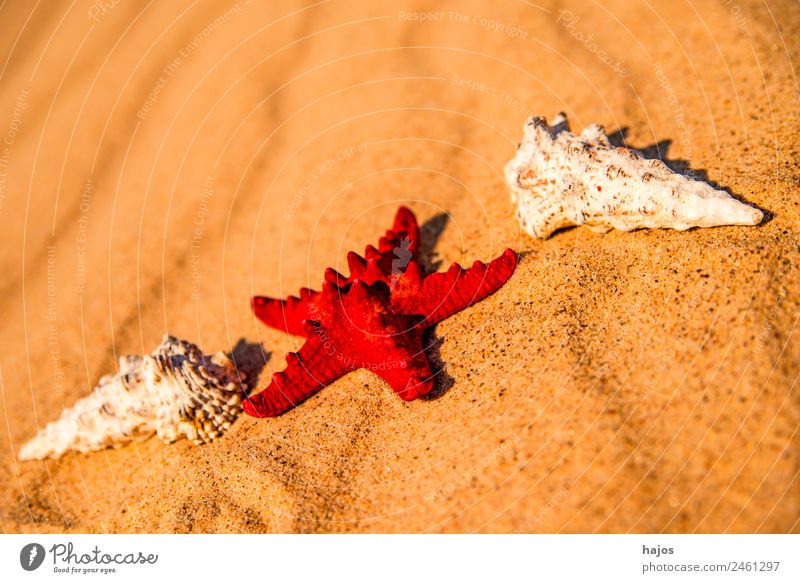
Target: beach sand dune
(161,164)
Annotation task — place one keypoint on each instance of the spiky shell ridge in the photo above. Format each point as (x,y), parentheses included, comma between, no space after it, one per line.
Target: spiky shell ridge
(558,179)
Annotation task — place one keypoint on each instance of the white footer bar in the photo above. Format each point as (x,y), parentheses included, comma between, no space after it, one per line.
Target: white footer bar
(378,558)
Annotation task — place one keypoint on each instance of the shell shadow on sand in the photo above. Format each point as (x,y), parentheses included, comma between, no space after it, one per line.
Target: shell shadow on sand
(250,358)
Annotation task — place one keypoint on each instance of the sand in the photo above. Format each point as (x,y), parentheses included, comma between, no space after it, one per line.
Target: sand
(160,165)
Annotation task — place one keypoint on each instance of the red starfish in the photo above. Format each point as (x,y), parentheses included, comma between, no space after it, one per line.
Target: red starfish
(373,319)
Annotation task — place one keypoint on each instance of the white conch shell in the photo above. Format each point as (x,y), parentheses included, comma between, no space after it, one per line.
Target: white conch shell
(558,179)
(174,392)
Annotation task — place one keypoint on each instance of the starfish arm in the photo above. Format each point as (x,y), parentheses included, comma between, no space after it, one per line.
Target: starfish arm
(405,227)
(441,295)
(286,315)
(409,378)
(307,371)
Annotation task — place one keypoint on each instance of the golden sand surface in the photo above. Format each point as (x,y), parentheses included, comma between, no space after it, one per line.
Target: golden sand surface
(162,162)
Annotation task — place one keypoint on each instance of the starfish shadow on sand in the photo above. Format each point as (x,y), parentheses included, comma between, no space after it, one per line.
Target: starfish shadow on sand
(429,233)
(442,379)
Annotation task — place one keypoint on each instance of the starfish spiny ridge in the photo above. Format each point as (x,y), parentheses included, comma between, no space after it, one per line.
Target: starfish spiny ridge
(373,319)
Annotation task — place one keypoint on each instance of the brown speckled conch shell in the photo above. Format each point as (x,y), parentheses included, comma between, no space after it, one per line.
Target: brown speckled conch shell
(174,392)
